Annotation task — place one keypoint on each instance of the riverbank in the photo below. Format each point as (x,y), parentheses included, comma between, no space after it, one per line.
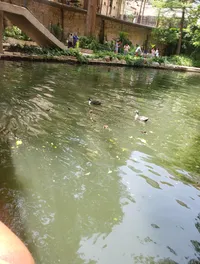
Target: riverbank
(17,56)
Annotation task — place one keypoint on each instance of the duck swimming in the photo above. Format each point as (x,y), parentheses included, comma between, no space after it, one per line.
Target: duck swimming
(93,102)
(140,118)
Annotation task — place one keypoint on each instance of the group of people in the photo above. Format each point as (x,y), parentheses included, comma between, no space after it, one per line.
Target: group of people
(138,52)
(73,40)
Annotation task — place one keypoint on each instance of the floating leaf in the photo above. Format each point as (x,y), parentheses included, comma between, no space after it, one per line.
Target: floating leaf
(88,173)
(115,219)
(112,141)
(124,149)
(51,144)
(142,140)
(131,137)
(109,172)
(18,142)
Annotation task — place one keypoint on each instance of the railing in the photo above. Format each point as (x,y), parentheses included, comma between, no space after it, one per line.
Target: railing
(72,3)
(146,21)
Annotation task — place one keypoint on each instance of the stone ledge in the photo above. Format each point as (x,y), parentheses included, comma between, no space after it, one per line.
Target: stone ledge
(16,56)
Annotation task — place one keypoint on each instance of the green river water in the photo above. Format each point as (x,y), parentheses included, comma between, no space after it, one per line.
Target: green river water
(78,193)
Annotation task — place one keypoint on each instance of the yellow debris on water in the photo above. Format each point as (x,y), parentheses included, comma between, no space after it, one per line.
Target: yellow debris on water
(124,149)
(18,142)
(142,140)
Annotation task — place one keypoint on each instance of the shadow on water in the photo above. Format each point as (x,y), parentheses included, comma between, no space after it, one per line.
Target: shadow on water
(12,193)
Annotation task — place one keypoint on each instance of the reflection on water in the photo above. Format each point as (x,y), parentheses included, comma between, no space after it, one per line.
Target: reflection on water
(85,184)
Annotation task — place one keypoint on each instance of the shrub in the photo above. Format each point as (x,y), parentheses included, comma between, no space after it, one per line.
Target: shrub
(93,44)
(181,60)
(135,61)
(49,52)
(15,32)
(57,30)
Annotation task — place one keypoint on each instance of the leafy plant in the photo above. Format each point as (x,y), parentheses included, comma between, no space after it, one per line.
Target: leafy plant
(15,32)
(165,35)
(181,60)
(48,53)
(135,61)
(159,59)
(93,44)
(123,37)
(57,30)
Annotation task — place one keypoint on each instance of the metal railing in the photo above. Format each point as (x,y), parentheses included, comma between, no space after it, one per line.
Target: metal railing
(146,20)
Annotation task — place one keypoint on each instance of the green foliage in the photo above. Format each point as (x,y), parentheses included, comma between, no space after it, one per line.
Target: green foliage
(111,54)
(173,5)
(134,61)
(181,60)
(165,35)
(15,32)
(123,37)
(193,28)
(49,53)
(159,59)
(93,44)
(57,30)
(188,32)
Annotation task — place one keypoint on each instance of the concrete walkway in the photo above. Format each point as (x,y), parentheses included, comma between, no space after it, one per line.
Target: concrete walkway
(23,19)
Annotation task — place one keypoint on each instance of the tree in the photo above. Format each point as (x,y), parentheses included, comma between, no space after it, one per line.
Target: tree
(193,28)
(141,12)
(175,7)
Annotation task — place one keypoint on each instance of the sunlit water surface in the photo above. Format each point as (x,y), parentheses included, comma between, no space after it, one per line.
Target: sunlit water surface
(76,192)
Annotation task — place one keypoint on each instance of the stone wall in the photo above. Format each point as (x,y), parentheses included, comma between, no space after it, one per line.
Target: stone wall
(74,20)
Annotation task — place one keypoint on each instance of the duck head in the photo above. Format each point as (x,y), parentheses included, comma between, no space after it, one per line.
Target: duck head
(89,101)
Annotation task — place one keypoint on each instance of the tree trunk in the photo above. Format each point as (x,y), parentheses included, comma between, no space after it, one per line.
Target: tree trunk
(145,1)
(158,18)
(1,32)
(140,12)
(85,4)
(178,51)
(101,33)
(91,17)
(119,8)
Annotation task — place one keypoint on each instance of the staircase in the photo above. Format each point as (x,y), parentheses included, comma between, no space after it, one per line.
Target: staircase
(25,20)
